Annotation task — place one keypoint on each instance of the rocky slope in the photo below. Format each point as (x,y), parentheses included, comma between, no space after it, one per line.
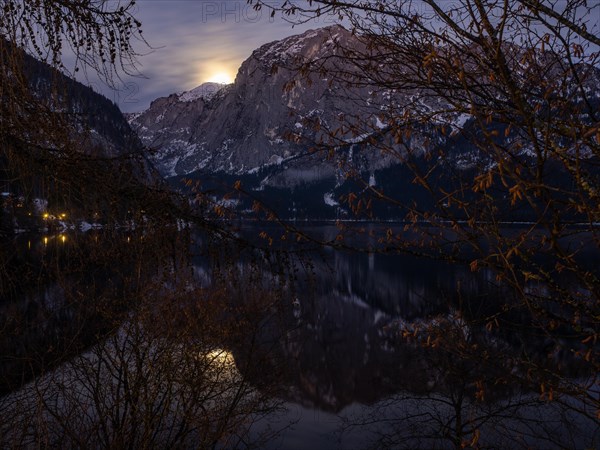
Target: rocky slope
(38,92)
(63,144)
(256,121)
(263,129)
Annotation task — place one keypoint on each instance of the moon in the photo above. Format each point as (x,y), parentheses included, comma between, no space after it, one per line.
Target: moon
(221,78)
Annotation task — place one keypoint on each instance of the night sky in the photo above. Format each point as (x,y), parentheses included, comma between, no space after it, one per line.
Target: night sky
(196,41)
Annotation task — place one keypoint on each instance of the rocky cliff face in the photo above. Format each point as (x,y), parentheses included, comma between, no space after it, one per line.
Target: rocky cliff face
(263,129)
(266,117)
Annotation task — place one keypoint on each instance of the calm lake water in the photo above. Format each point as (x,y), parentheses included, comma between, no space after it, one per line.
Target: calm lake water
(352,382)
(358,373)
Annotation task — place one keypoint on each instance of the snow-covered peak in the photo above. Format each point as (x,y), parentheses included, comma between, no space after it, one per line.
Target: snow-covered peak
(205,91)
(307,44)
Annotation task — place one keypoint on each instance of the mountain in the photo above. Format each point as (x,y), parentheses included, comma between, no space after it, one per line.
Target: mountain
(266,127)
(64,145)
(49,96)
(250,124)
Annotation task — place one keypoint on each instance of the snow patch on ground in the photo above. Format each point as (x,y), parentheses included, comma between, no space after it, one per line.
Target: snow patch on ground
(329,200)
(275,159)
(460,121)
(379,124)
(357,139)
(372,181)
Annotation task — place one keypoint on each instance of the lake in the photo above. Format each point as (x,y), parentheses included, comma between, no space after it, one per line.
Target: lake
(380,350)
(354,379)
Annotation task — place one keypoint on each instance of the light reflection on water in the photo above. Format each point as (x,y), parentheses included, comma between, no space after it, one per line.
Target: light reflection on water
(339,347)
(342,351)
(59,239)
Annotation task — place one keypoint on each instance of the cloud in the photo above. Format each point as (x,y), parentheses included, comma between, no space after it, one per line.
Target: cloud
(192,40)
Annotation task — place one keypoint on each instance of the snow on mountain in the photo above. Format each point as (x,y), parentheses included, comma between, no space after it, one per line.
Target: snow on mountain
(267,116)
(268,123)
(205,91)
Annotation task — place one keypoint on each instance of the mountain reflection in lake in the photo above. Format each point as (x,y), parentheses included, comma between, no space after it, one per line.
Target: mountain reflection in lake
(356,333)
(365,349)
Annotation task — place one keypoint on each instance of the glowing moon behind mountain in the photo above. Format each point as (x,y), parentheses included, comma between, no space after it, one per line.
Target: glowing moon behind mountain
(221,78)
